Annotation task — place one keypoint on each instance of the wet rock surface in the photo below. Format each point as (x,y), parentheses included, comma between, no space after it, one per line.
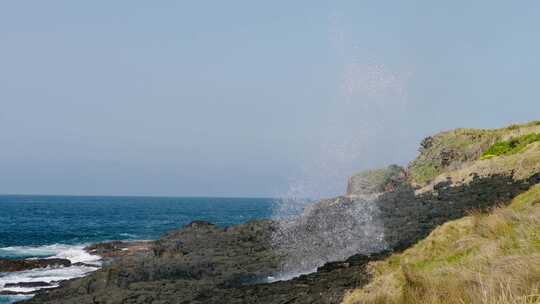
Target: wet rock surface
(28,284)
(12,265)
(181,266)
(206,264)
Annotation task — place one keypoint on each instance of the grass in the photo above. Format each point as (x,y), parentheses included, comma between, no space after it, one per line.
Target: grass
(445,149)
(530,124)
(449,150)
(424,173)
(510,147)
(489,258)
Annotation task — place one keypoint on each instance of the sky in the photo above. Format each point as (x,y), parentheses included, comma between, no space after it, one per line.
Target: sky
(248,98)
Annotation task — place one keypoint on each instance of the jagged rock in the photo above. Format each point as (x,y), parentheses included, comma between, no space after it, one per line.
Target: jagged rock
(9,265)
(198,224)
(15,293)
(28,284)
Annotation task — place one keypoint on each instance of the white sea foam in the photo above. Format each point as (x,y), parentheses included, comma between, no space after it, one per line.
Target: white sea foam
(48,275)
(53,275)
(287,276)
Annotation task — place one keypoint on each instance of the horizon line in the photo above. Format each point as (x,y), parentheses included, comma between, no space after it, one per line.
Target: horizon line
(140,196)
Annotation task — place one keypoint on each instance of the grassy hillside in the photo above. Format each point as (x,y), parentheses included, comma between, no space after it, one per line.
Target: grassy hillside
(489,258)
(448,151)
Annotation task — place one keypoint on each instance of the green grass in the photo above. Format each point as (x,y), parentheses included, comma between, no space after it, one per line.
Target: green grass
(489,258)
(447,150)
(424,173)
(518,126)
(510,147)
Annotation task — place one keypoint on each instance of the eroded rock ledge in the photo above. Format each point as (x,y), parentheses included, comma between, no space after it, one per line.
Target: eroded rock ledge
(12,265)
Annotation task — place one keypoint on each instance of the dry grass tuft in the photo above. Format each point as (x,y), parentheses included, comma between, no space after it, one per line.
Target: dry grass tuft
(483,258)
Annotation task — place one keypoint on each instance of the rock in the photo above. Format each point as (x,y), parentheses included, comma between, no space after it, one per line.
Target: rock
(376,181)
(198,224)
(84,264)
(184,263)
(117,249)
(28,284)
(8,265)
(15,293)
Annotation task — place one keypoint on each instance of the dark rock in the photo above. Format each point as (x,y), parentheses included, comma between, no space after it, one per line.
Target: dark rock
(28,284)
(198,224)
(15,293)
(84,264)
(8,265)
(114,250)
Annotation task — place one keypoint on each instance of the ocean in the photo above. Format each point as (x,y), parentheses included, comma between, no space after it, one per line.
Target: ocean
(61,226)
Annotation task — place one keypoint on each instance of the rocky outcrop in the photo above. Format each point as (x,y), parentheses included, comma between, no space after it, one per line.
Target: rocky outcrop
(182,265)
(24,285)
(327,285)
(10,265)
(376,181)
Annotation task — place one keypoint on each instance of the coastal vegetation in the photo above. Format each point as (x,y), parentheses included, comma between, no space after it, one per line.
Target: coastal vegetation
(510,147)
(486,257)
(491,258)
(450,150)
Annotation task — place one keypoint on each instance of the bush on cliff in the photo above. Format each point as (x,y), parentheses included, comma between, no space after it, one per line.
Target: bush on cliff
(483,258)
(510,147)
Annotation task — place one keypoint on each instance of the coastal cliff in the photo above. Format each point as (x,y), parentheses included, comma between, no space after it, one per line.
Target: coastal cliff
(334,244)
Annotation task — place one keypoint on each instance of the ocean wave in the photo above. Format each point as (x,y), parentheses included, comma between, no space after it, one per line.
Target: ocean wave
(47,275)
(52,275)
(74,253)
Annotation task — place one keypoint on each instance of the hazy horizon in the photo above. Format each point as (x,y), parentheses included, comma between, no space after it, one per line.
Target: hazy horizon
(244,99)
(139,196)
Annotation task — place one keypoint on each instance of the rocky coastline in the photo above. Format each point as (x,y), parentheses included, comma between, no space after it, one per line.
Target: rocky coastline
(332,242)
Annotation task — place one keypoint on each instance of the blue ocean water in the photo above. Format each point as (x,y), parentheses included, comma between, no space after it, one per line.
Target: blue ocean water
(60,226)
(43,220)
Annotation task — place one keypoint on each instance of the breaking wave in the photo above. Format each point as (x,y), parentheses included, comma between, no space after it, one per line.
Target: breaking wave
(84,263)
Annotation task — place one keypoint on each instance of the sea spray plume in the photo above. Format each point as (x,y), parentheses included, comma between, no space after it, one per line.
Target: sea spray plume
(331,230)
(335,229)
(359,129)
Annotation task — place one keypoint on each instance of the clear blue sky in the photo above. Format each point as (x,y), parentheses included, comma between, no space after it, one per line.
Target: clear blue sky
(248,98)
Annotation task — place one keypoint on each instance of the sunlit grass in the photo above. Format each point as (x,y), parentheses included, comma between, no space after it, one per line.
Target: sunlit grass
(510,147)
(489,258)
